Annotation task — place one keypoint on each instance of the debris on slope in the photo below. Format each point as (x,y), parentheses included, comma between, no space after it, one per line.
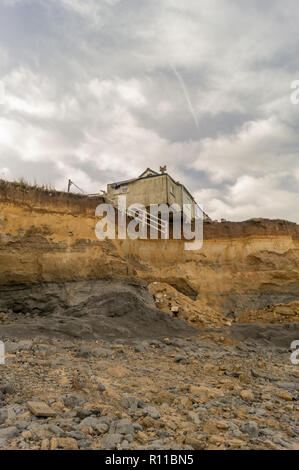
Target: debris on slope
(178,305)
(278,313)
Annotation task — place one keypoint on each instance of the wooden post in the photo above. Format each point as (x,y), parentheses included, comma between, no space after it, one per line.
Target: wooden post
(69,186)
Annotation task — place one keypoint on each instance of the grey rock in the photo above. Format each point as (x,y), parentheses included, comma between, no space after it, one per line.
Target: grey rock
(3,415)
(7,389)
(142,404)
(152,412)
(101,387)
(140,348)
(281,442)
(84,351)
(268,432)
(194,417)
(130,403)
(88,412)
(82,414)
(125,444)
(260,412)
(78,435)
(111,441)
(10,347)
(56,430)
(201,411)
(101,428)
(68,345)
(13,347)
(16,410)
(90,421)
(181,360)
(154,445)
(101,352)
(236,433)
(8,433)
(137,427)
(22,444)
(22,425)
(25,345)
(45,349)
(105,420)
(70,401)
(3,443)
(100,425)
(289,385)
(122,426)
(36,427)
(163,433)
(84,443)
(233,427)
(250,428)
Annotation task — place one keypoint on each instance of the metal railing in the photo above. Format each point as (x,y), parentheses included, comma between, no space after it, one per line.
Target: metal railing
(149,219)
(143,216)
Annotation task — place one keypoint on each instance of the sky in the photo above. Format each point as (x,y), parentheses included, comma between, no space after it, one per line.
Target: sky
(98,90)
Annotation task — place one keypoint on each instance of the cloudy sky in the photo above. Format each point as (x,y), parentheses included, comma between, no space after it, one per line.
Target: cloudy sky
(98,90)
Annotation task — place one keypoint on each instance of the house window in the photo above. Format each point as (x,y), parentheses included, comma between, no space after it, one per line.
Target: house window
(172,189)
(124,189)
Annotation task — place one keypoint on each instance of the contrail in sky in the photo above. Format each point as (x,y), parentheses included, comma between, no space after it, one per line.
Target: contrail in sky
(186,94)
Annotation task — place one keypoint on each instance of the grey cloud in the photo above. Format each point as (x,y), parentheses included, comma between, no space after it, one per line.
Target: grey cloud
(92,93)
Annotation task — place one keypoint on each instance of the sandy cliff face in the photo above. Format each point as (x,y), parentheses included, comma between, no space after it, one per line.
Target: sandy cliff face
(242,266)
(50,237)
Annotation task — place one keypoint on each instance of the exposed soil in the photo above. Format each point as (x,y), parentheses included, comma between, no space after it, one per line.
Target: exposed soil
(106,309)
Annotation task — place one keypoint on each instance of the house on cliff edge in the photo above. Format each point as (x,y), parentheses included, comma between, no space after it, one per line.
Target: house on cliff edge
(152,187)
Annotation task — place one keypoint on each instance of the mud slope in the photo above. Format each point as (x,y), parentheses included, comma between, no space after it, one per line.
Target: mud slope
(107,309)
(281,335)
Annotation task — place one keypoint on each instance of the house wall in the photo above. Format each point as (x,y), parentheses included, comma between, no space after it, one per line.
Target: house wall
(146,191)
(179,195)
(174,197)
(186,199)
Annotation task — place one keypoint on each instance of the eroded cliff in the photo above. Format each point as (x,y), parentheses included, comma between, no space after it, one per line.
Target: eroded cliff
(50,237)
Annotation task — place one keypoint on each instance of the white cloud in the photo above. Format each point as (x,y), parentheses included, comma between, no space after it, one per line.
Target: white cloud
(255,147)
(251,197)
(89,93)
(91,10)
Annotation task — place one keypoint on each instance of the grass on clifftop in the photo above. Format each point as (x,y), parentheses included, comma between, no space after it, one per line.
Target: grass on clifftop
(27,187)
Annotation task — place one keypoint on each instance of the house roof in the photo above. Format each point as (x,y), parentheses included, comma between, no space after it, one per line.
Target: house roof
(120,183)
(149,169)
